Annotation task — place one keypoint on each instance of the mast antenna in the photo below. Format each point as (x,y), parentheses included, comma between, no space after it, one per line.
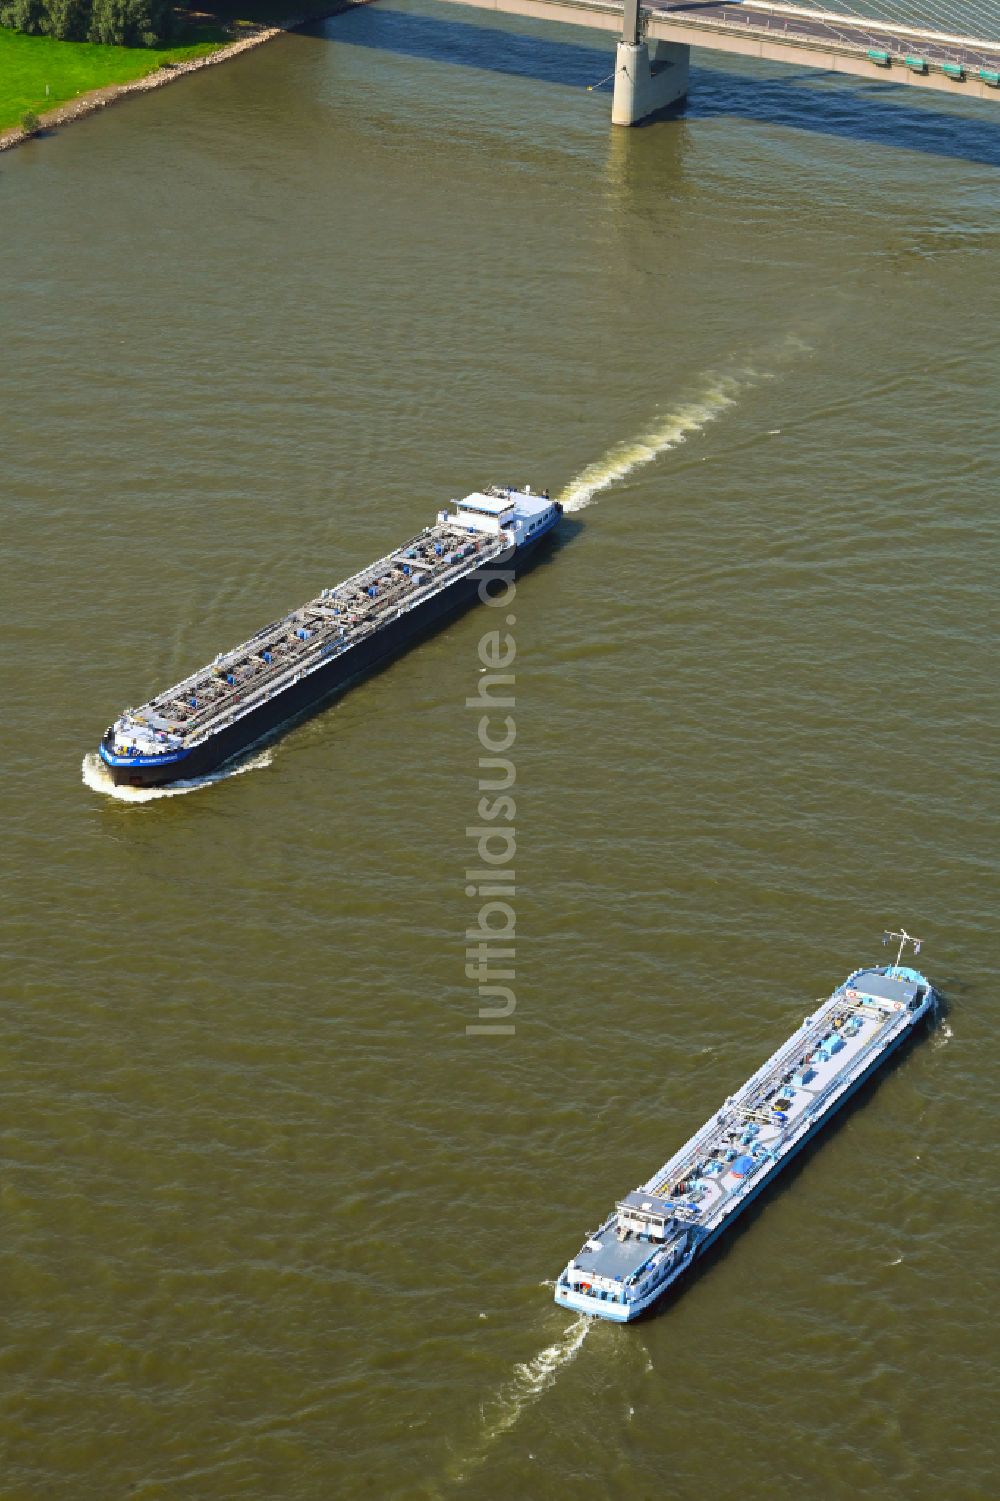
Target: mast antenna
(904,938)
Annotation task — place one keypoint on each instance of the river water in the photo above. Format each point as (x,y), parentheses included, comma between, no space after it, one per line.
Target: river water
(275,1224)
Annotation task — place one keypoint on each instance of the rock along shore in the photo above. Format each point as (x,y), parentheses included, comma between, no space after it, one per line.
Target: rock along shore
(89,104)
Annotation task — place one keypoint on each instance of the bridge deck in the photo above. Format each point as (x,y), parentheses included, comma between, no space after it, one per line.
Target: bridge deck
(795,23)
(967,66)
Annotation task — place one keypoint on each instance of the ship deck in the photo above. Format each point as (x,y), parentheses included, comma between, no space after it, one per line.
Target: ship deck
(793,1088)
(702,1184)
(604,1255)
(337,619)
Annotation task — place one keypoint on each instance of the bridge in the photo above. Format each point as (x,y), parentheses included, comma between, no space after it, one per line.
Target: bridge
(931,49)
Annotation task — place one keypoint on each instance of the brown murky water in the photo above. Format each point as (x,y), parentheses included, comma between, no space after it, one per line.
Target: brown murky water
(274,1225)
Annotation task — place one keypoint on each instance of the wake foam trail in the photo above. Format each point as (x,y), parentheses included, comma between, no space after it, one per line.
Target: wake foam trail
(529,1381)
(691,417)
(720,390)
(942,1035)
(96,776)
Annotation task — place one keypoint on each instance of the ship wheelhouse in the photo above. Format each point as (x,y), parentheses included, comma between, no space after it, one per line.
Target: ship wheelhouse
(520,514)
(480,512)
(643,1215)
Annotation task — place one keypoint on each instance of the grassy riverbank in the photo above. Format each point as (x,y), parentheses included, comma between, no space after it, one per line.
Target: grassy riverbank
(30,63)
(38,74)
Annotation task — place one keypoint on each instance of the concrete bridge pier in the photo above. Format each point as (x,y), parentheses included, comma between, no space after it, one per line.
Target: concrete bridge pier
(649,76)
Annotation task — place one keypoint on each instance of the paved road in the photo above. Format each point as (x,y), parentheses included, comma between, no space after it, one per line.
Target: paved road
(972,56)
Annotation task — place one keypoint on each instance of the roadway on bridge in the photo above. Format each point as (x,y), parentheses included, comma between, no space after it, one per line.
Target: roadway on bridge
(788,22)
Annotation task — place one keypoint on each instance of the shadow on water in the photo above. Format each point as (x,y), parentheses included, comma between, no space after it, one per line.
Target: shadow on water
(704,1266)
(569,527)
(467,45)
(868,113)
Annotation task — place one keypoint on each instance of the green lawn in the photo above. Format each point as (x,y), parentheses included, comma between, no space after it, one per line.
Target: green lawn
(28,63)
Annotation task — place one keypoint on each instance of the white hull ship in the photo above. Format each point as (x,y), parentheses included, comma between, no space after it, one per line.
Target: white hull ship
(657,1232)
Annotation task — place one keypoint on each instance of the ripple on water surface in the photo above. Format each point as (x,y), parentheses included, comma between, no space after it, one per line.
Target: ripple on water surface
(275,1226)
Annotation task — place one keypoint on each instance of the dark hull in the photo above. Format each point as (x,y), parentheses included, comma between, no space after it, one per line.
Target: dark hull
(312,693)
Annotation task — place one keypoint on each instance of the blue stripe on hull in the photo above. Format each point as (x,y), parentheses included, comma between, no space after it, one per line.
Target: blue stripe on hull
(169,758)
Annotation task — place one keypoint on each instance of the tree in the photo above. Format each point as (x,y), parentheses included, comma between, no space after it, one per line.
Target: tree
(24,15)
(129,23)
(116,23)
(68,20)
(107,22)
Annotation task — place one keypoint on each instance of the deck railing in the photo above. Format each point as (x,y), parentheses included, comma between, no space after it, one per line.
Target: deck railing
(239,699)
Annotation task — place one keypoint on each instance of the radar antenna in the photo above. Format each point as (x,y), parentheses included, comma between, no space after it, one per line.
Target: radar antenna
(904,938)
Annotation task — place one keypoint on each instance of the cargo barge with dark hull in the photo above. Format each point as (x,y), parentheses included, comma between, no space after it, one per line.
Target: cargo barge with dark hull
(299,662)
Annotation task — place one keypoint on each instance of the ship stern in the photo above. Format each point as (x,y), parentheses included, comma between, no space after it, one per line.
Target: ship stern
(581,1299)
